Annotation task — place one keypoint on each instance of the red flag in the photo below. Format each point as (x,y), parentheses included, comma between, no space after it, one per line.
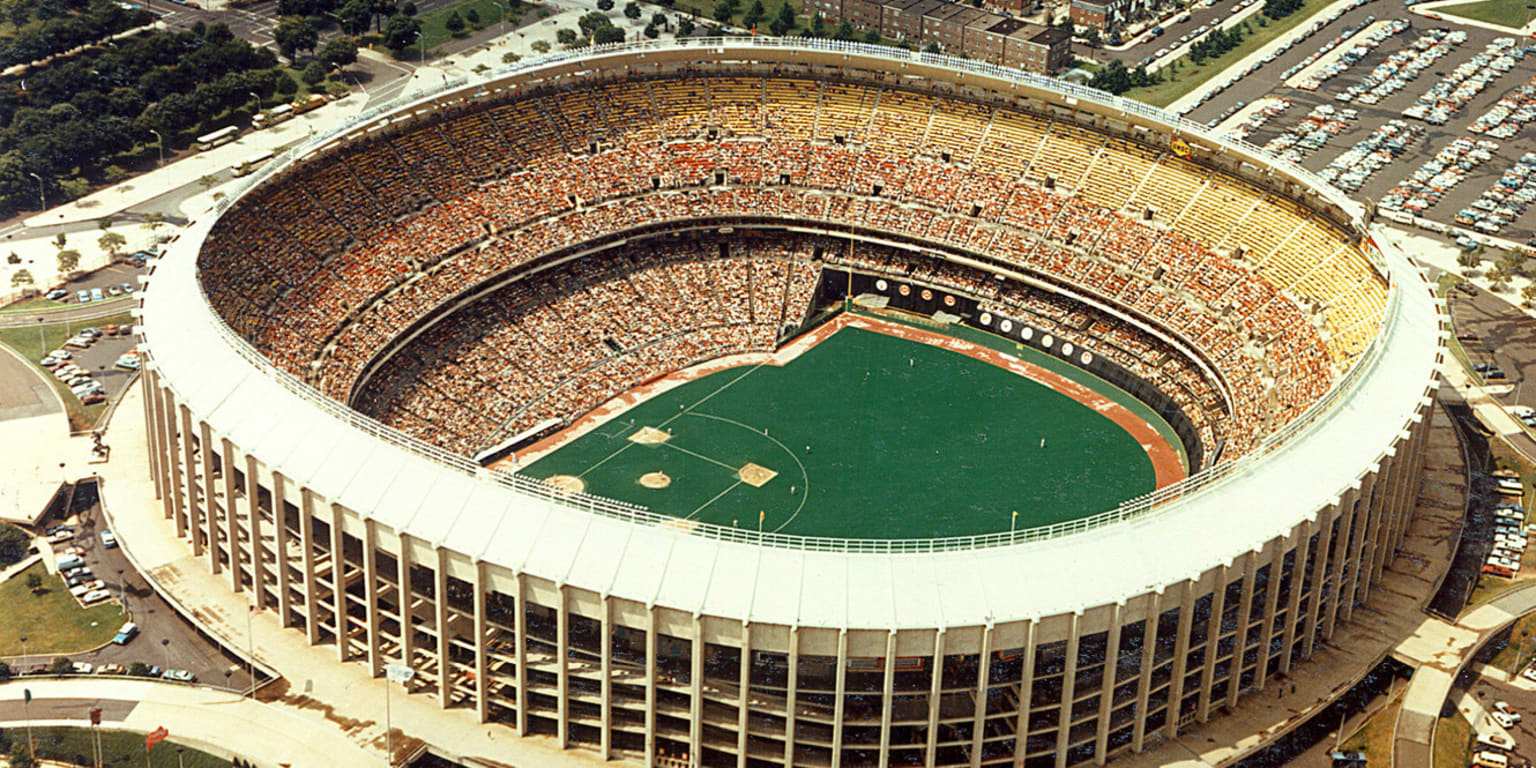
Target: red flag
(155,737)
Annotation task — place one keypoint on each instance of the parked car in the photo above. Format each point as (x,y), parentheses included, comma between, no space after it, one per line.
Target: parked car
(95,596)
(83,667)
(108,540)
(126,633)
(179,675)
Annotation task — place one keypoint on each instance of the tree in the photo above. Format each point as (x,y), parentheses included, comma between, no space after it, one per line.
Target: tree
(1528,294)
(651,32)
(540,46)
(294,35)
(59,240)
(454,23)
(473,17)
(68,260)
(722,12)
(338,52)
(138,669)
(566,37)
(605,5)
(354,15)
(844,30)
(13,540)
(409,8)
(401,32)
(755,13)
(21,756)
(510,58)
(659,19)
(1469,259)
(154,219)
(313,74)
(34,583)
(784,21)
(684,27)
(608,35)
(61,666)
(818,26)
(286,86)
(5,669)
(112,243)
(631,10)
(20,279)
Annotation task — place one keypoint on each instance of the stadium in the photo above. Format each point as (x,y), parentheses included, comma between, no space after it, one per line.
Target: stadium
(768,402)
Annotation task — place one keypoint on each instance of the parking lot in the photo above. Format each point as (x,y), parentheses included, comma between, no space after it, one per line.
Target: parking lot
(1465,73)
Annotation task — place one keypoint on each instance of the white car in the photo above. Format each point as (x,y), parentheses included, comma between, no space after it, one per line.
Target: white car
(83,667)
(1503,707)
(95,596)
(1529,673)
(1504,721)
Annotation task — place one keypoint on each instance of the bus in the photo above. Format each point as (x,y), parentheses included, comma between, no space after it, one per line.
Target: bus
(250,163)
(272,116)
(221,136)
(315,100)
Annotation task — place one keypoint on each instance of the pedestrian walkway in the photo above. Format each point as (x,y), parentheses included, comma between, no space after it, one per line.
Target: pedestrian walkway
(32,415)
(217,722)
(315,685)
(1392,623)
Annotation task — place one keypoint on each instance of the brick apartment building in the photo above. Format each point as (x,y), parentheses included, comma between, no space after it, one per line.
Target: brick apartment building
(958,29)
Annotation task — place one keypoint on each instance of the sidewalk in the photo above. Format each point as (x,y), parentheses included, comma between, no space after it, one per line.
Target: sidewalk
(316,686)
(213,721)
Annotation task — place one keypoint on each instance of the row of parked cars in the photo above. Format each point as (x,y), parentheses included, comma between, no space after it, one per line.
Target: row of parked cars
(1324,122)
(87,389)
(1465,82)
(1402,67)
(1351,56)
(1427,185)
(1509,534)
(1355,165)
(1264,109)
(1506,117)
(1505,201)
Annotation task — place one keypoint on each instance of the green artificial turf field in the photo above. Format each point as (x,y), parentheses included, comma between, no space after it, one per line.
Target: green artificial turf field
(871,436)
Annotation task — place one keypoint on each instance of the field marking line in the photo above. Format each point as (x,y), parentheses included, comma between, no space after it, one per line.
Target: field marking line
(712,500)
(681,413)
(804,478)
(605,459)
(700,455)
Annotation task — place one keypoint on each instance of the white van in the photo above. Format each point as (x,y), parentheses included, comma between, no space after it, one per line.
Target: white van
(1489,759)
(66,562)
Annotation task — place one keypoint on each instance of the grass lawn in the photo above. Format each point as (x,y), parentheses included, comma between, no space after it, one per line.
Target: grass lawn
(434,25)
(74,745)
(703,12)
(1509,13)
(1512,656)
(26,342)
(1453,742)
(869,441)
(1374,737)
(27,305)
(1190,76)
(52,621)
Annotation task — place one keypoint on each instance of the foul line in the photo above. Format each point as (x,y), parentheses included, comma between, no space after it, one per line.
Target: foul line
(803,477)
(732,487)
(700,455)
(671,419)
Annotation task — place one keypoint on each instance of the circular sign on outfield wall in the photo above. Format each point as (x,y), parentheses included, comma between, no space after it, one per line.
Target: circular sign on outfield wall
(986,318)
(949,301)
(1027,334)
(1005,326)
(1066,349)
(904,290)
(1046,340)
(927,295)
(1086,358)
(881,285)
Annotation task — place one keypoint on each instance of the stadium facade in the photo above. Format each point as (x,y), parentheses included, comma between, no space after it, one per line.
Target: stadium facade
(614,630)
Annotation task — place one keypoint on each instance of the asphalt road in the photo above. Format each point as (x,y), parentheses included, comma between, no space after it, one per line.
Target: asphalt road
(12,711)
(165,639)
(1172,31)
(1504,335)
(1523,701)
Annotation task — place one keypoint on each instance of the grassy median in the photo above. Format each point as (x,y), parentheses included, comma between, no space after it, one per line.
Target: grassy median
(1513,14)
(76,746)
(51,619)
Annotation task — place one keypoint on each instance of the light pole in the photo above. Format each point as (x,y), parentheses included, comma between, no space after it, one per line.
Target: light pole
(179,764)
(165,645)
(40,322)
(503,9)
(250,651)
(160,144)
(122,591)
(23,652)
(41,195)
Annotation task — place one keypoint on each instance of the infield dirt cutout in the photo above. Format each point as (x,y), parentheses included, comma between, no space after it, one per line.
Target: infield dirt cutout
(568,483)
(655,480)
(650,436)
(755,475)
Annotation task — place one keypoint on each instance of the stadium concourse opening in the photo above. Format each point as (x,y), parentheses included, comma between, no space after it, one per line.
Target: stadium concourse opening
(889,426)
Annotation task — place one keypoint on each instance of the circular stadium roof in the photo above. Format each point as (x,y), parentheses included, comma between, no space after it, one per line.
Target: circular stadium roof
(612,548)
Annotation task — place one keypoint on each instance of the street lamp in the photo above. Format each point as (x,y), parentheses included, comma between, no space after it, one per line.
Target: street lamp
(179,764)
(40,322)
(503,10)
(160,143)
(23,651)
(41,195)
(122,590)
(165,644)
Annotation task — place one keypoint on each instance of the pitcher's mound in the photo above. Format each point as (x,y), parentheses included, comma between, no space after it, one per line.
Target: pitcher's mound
(570,483)
(755,475)
(650,436)
(655,480)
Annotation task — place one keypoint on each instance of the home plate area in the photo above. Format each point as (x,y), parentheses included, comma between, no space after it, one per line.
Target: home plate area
(755,475)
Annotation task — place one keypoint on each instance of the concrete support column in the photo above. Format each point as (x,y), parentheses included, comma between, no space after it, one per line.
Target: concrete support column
(339,586)
(562,667)
(696,694)
(231,518)
(482,665)
(181,463)
(210,519)
(1180,661)
(375,652)
(605,748)
(983,682)
(1271,608)
(253,526)
(148,386)
(407,598)
(1107,688)
(792,694)
(1348,508)
(307,560)
(650,685)
(445,634)
(743,698)
(1212,640)
(280,549)
(1244,618)
(1068,690)
(521,624)
(1026,692)
(1325,537)
(173,498)
(192,525)
(1371,516)
(839,689)
(1293,603)
(887,691)
(934,686)
(1148,663)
